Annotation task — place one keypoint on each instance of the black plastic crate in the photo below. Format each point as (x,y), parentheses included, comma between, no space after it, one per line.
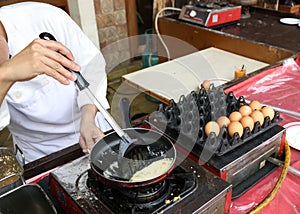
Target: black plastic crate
(190,114)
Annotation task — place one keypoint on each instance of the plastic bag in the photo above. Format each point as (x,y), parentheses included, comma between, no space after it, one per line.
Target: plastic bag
(291,65)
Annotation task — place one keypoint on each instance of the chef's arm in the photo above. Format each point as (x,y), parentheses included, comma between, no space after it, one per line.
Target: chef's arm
(89,112)
(89,132)
(39,57)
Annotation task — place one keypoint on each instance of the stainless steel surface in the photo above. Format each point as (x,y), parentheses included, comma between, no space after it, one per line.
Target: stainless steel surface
(12,181)
(26,199)
(11,172)
(253,160)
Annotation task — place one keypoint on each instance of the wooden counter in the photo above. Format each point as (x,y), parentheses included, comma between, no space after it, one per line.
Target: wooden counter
(261,37)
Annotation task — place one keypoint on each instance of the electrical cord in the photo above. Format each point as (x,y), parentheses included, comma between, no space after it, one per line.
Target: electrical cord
(283,174)
(157,31)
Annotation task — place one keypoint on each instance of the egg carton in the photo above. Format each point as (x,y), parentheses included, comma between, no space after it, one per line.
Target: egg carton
(224,143)
(190,114)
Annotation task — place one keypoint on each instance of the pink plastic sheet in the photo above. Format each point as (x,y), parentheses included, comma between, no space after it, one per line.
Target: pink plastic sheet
(280,87)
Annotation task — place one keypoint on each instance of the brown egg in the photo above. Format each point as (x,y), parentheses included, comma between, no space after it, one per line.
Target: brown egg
(255,105)
(245,110)
(257,116)
(205,84)
(212,126)
(247,121)
(235,116)
(268,111)
(234,127)
(223,121)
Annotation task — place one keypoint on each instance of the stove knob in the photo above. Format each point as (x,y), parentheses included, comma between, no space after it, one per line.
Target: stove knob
(193,13)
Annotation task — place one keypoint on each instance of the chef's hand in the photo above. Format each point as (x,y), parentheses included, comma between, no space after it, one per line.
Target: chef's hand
(41,57)
(89,132)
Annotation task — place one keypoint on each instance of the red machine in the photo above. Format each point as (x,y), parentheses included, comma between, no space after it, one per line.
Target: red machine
(211,15)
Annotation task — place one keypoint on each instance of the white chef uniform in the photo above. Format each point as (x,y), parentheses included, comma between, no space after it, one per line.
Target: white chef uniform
(44,114)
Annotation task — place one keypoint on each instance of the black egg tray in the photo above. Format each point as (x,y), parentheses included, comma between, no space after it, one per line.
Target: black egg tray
(190,114)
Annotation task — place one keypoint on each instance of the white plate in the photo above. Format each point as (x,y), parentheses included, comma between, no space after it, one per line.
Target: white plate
(290,21)
(293,134)
(218,81)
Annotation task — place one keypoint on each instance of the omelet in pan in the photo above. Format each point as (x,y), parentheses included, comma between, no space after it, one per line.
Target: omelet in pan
(153,170)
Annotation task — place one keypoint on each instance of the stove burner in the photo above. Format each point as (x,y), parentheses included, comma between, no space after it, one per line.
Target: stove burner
(147,194)
(135,195)
(188,189)
(149,199)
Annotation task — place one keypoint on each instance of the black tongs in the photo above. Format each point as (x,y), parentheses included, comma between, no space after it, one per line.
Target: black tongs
(126,143)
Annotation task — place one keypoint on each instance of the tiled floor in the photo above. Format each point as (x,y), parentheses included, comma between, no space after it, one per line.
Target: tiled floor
(139,103)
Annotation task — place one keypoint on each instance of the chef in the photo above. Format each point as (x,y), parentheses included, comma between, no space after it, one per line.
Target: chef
(42,114)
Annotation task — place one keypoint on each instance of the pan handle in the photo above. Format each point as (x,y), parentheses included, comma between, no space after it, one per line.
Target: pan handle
(80,82)
(17,149)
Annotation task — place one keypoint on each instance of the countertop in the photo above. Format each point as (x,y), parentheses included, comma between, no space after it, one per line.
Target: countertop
(265,26)
(261,37)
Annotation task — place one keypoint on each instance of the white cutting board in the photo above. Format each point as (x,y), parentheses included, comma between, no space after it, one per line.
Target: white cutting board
(180,76)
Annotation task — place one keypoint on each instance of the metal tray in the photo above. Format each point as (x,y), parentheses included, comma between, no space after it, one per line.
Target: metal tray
(26,199)
(11,172)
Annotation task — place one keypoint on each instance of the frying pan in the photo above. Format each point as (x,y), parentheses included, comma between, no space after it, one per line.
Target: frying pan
(115,170)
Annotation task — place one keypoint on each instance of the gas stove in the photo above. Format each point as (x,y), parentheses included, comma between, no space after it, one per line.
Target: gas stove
(190,188)
(211,14)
